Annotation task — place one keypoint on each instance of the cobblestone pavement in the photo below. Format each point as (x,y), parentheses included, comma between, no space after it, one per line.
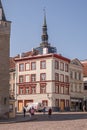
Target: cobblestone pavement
(58,121)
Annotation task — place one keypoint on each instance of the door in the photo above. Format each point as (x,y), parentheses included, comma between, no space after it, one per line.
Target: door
(62,105)
(20,106)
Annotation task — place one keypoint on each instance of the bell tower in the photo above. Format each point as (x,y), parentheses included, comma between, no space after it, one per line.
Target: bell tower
(4,62)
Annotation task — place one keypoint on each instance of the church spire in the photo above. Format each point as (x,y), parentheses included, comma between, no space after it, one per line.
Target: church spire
(44,36)
(44,18)
(2,15)
(45,47)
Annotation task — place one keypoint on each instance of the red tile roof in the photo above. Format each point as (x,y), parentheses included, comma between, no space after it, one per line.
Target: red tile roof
(12,63)
(26,54)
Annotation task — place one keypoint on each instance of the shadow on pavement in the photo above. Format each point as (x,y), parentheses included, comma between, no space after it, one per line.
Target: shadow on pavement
(61,116)
(38,117)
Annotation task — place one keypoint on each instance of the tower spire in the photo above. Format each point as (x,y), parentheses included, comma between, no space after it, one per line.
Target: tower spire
(44,36)
(44,17)
(2,14)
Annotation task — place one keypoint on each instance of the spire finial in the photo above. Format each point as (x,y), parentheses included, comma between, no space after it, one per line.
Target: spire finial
(44,16)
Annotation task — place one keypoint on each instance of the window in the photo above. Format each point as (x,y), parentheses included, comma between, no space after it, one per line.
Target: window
(57,102)
(62,78)
(33,89)
(56,88)
(33,77)
(43,89)
(75,75)
(27,66)
(43,77)
(71,87)
(33,65)
(27,78)
(21,90)
(56,76)
(85,86)
(66,67)
(21,79)
(21,67)
(66,90)
(27,90)
(62,66)
(56,65)
(43,64)
(66,78)
(61,89)
(45,103)
(79,76)
(71,74)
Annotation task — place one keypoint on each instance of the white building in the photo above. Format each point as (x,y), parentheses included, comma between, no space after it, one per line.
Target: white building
(43,78)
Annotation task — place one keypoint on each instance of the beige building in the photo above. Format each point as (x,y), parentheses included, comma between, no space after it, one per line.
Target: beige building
(84,63)
(4,63)
(76,85)
(12,81)
(43,78)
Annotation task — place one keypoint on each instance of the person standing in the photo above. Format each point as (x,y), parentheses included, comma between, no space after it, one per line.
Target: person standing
(44,110)
(24,111)
(49,112)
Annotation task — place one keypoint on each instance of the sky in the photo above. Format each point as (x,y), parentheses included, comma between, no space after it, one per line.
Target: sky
(66,23)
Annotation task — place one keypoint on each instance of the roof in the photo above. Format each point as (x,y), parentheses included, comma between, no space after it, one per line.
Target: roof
(76,62)
(12,63)
(28,55)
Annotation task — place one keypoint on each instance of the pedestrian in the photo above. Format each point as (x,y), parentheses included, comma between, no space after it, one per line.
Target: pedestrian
(49,112)
(30,112)
(24,111)
(84,108)
(44,110)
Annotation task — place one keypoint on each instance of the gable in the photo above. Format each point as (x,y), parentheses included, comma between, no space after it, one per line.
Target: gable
(76,62)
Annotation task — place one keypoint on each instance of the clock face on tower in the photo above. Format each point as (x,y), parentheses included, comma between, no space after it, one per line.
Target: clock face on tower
(0,14)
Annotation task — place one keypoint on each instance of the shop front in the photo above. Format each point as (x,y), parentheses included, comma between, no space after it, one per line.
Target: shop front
(76,104)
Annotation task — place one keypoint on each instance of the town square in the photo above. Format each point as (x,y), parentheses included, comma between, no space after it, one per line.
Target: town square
(43,87)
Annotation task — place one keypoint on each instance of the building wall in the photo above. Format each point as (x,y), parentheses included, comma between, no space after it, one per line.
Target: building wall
(50,96)
(76,85)
(4,66)
(12,84)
